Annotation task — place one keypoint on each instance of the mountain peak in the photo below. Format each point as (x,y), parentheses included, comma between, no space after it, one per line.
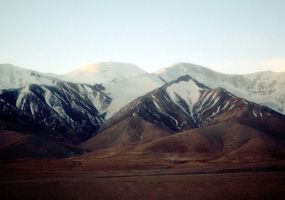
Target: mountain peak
(186,78)
(12,76)
(94,67)
(103,72)
(183,68)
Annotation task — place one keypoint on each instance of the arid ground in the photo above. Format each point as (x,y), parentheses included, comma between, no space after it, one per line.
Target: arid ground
(70,179)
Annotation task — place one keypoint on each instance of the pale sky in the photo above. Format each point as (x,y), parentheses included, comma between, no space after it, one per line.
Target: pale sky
(58,36)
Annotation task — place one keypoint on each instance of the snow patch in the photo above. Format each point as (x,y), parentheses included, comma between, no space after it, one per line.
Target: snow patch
(187,90)
(126,90)
(21,97)
(253,112)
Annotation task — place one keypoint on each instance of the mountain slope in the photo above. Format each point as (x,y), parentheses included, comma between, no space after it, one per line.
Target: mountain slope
(219,144)
(71,112)
(12,76)
(125,90)
(130,131)
(125,82)
(103,73)
(15,145)
(224,141)
(264,88)
(75,112)
(185,103)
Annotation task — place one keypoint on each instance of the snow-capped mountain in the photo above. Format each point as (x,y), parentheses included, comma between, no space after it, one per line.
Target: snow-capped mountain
(263,88)
(186,103)
(125,82)
(72,112)
(103,73)
(12,76)
(125,90)
(79,110)
(266,88)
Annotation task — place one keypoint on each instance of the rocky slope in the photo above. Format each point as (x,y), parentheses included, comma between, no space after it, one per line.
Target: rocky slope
(67,111)
(264,88)
(73,112)
(185,103)
(124,82)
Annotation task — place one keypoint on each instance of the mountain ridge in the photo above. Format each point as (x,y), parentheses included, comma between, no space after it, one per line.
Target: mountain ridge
(264,88)
(125,112)
(186,109)
(72,112)
(103,72)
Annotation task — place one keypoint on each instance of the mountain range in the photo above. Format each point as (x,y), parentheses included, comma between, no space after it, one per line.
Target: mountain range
(114,105)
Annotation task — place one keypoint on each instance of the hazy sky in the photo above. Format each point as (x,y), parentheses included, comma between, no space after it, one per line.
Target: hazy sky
(231,36)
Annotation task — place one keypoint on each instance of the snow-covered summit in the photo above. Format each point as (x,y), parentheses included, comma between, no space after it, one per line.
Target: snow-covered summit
(186,103)
(125,90)
(12,76)
(124,82)
(103,73)
(266,88)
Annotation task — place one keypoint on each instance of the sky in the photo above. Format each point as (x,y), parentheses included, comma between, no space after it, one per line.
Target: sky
(58,36)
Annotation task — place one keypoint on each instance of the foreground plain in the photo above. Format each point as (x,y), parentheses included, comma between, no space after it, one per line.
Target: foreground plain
(255,181)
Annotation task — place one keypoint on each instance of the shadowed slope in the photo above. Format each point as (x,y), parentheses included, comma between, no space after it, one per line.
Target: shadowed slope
(15,145)
(227,140)
(69,112)
(224,142)
(132,130)
(186,104)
